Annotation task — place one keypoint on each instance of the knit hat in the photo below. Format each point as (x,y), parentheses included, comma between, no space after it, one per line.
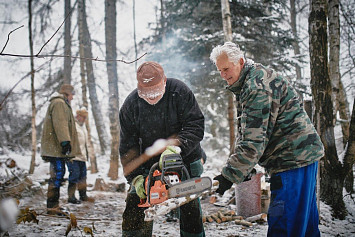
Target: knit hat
(66,89)
(151,80)
(82,112)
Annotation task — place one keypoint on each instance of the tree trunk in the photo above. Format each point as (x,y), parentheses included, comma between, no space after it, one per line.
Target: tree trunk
(227,29)
(349,158)
(134,33)
(341,104)
(332,177)
(111,65)
(295,45)
(95,106)
(33,92)
(91,151)
(67,42)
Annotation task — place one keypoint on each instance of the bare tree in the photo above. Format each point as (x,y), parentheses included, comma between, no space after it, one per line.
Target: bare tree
(33,92)
(111,65)
(92,156)
(134,33)
(67,42)
(332,171)
(295,45)
(95,107)
(227,29)
(339,95)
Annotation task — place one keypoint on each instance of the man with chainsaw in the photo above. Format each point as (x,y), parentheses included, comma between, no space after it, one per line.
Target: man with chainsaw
(59,142)
(160,108)
(274,131)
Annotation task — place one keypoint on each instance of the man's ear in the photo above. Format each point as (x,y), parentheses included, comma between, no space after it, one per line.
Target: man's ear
(241,62)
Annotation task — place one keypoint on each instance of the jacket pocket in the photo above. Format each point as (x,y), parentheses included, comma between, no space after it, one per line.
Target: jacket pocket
(196,168)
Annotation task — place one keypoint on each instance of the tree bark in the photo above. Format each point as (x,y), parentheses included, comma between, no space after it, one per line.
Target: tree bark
(67,42)
(33,93)
(332,176)
(111,65)
(349,158)
(227,29)
(95,106)
(91,150)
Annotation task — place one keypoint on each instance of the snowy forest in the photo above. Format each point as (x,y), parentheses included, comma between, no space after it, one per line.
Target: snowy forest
(97,46)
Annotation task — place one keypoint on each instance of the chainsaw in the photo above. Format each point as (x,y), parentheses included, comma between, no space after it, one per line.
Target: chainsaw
(165,182)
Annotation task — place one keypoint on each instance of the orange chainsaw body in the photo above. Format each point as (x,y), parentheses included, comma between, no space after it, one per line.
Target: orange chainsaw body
(157,183)
(158,191)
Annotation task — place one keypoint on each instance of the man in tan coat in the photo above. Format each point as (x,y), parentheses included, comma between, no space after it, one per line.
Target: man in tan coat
(59,142)
(77,166)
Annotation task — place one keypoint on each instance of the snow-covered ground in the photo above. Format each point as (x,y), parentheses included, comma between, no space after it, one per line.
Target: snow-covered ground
(105,215)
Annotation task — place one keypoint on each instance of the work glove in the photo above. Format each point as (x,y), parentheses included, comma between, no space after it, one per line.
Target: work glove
(66,147)
(250,175)
(138,183)
(169,150)
(224,184)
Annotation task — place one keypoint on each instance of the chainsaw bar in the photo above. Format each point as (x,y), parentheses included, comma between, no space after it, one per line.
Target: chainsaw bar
(189,187)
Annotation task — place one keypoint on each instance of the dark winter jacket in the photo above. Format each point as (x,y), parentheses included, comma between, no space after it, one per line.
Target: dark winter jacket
(274,131)
(59,126)
(177,113)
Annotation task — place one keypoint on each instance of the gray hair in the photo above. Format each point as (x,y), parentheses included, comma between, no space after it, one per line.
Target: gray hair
(232,50)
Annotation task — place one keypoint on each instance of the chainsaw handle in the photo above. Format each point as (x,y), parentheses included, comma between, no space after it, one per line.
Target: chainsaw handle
(150,175)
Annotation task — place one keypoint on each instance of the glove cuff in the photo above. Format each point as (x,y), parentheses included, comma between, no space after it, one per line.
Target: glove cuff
(136,179)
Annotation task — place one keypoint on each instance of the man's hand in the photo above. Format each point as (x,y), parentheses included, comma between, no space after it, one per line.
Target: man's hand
(250,175)
(66,147)
(169,150)
(224,184)
(138,183)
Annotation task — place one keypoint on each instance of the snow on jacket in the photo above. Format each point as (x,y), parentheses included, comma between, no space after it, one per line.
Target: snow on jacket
(59,126)
(273,129)
(83,141)
(177,113)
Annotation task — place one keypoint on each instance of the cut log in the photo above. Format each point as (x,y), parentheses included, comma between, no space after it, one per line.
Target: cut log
(262,217)
(244,223)
(216,218)
(221,216)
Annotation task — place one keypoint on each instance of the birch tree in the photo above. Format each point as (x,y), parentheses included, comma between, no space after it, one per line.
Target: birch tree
(33,92)
(227,29)
(111,65)
(95,106)
(339,95)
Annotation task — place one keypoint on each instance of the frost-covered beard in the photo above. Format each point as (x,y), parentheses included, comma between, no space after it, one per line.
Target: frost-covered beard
(153,97)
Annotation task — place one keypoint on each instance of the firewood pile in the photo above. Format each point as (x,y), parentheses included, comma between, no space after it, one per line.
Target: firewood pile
(14,182)
(230,215)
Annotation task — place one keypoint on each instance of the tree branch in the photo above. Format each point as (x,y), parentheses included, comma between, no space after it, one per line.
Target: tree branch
(8,38)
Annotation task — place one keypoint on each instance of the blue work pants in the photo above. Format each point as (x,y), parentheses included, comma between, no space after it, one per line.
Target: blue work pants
(293,207)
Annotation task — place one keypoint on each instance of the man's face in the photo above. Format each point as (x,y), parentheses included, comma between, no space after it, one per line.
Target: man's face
(70,97)
(228,70)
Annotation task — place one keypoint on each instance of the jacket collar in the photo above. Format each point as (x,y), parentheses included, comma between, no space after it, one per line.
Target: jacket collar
(61,96)
(237,86)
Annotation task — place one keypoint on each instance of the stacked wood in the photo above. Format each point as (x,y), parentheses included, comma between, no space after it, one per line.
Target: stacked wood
(226,216)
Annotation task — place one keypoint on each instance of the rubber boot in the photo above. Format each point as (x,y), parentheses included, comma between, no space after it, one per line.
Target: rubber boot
(71,194)
(52,197)
(53,201)
(82,193)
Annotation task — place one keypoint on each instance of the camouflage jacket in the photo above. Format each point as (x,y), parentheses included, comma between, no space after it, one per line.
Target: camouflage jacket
(273,129)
